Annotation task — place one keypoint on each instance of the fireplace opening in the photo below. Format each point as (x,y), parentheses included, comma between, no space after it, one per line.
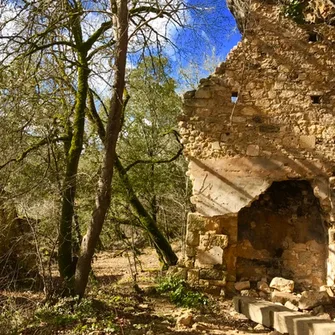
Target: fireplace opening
(283,234)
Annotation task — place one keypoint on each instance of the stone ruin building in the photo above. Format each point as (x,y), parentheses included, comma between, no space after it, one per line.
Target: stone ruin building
(260,139)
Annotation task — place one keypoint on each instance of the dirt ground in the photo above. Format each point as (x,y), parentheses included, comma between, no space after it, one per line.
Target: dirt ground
(140,311)
(156,314)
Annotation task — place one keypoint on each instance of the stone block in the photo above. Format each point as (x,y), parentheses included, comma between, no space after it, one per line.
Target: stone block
(203,94)
(211,274)
(212,256)
(307,141)
(219,283)
(281,318)
(282,284)
(215,146)
(327,289)
(189,263)
(239,119)
(283,297)
(253,150)
(195,222)
(210,239)
(242,285)
(177,272)
(193,276)
(189,94)
(248,110)
(269,128)
(192,238)
(190,251)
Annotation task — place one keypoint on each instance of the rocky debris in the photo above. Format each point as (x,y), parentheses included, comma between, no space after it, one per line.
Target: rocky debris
(263,287)
(311,299)
(283,297)
(327,289)
(184,320)
(260,327)
(249,293)
(242,285)
(282,284)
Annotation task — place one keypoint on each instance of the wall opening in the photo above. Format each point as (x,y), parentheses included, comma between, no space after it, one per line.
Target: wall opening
(316,99)
(313,37)
(234,97)
(283,234)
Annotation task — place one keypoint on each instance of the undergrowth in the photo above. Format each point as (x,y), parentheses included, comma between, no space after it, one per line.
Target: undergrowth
(76,317)
(180,293)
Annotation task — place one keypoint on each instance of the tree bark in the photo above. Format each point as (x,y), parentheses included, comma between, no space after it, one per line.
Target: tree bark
(147,221)
(103,197)
(66,268)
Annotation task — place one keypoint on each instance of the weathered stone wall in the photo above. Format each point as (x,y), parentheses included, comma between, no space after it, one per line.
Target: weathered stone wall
(282,119)
(265,115)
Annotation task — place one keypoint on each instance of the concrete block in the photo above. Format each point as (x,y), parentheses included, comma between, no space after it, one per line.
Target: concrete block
(282,319)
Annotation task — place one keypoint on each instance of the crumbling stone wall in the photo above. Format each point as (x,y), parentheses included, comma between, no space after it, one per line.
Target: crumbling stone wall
(18,259)
(265,115)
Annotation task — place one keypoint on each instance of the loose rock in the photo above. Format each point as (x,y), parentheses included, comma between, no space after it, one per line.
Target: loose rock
(242,285)
(310,299)
(282,284)
(184,320)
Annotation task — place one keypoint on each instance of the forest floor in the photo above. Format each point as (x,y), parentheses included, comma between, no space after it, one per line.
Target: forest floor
(113,306)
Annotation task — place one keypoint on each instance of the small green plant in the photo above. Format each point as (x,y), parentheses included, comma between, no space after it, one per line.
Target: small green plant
(77,316)
(181,293)
(293,10)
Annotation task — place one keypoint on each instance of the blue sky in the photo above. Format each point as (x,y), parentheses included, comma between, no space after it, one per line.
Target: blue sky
(212,34)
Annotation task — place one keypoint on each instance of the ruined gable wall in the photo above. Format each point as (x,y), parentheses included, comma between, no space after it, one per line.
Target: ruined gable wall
(274,131)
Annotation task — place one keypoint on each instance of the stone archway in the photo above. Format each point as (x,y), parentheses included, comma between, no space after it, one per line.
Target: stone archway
(283,234)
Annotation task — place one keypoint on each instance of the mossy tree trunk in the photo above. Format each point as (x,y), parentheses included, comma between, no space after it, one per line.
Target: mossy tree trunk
(103,196)
(65,259)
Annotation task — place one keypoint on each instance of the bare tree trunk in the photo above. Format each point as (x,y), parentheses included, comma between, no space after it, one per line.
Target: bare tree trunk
(103,197)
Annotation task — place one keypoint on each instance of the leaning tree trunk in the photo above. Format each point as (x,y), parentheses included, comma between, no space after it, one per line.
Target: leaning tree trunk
(103,196)
(148,222)
(162,246)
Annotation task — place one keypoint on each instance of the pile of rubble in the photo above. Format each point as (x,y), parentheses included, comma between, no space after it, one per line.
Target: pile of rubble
(281,291)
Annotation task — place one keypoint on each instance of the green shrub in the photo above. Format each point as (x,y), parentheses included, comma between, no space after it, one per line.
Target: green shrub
(180,293)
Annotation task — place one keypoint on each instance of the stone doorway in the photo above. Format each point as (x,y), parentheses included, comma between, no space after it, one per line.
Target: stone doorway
(283,234)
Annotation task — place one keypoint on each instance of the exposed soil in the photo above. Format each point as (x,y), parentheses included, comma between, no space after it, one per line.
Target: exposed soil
(159,315)
(141,310)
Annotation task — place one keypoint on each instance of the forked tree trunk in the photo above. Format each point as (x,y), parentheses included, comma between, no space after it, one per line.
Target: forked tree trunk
(148,222)
(103,196)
